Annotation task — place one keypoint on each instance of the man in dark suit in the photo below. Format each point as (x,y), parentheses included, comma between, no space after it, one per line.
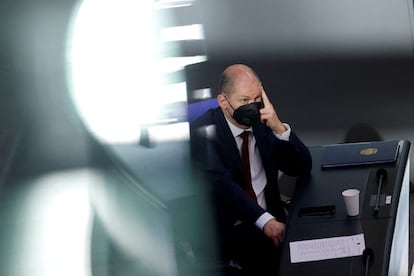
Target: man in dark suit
(249,212)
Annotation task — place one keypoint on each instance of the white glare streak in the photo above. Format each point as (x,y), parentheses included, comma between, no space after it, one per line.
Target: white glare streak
(59,237)
(178,63)
(187,32)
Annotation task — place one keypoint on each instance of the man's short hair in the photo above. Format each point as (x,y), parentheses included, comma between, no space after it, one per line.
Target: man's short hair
(226,82)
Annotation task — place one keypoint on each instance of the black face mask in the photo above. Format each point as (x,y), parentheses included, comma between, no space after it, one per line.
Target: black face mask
(248,114)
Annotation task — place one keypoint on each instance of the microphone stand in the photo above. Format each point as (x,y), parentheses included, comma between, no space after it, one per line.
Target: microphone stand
(368,258)
(381,173)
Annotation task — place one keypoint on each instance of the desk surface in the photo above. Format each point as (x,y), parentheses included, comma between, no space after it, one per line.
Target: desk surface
(323,187)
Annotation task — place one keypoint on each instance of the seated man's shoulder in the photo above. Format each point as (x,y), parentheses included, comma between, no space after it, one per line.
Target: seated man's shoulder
(207,118)
(205,126)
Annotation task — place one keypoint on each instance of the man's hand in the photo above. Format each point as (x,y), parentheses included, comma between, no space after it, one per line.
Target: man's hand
(269,116)
(274,230)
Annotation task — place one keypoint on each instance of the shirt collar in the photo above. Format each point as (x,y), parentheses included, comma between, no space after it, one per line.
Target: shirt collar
(235,130)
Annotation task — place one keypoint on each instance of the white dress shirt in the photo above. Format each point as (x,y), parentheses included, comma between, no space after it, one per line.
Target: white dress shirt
(257,172)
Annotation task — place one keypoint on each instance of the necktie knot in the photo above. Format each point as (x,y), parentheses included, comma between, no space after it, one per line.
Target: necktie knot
(245,135)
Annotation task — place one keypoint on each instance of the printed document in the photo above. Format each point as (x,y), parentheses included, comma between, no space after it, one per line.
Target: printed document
(326,248)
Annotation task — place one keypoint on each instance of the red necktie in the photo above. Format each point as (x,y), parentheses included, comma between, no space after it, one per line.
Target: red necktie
(246,165)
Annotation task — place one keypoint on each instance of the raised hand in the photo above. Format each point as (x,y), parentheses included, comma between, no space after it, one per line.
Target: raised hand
(269,116)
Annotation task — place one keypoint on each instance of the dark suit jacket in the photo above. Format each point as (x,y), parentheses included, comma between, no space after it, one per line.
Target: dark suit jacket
(214,149)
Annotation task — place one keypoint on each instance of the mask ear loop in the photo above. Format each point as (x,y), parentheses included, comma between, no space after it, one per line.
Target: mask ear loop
(229,102)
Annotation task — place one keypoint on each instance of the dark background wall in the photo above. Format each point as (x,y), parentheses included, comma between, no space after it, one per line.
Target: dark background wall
(301,28)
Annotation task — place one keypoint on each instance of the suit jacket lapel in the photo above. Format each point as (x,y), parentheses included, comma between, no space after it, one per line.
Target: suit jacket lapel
(225,137)
(260,135)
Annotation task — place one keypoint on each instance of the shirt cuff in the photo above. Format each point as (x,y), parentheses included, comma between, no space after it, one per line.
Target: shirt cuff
(285,135)
(263,219)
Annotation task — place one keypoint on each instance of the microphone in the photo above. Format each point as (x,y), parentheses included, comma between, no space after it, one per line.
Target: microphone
(381,175)
(368,256)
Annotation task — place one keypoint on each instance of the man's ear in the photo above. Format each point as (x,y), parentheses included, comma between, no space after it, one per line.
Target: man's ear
(222,101)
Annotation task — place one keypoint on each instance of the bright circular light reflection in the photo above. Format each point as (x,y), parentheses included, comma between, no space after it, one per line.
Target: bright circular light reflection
(115,77)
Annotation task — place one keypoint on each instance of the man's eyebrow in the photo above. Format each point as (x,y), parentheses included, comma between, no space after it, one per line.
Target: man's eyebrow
(259,94)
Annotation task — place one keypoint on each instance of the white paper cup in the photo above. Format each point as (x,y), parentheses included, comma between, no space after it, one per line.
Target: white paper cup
(351,199)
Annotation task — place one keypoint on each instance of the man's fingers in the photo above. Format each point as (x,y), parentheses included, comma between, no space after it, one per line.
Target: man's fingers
(277,241)
(266,100)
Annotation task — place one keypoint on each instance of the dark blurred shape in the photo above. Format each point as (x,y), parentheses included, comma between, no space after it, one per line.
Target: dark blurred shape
(8,143)
(362,132)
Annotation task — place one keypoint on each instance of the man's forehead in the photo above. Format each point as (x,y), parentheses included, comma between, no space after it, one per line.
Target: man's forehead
(251,91)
